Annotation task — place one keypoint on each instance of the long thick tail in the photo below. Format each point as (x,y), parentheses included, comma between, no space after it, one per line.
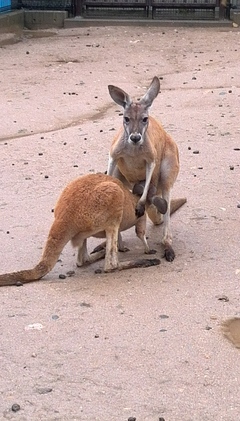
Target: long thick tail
(24,276)
(54,245)
(176,204)
(156,217)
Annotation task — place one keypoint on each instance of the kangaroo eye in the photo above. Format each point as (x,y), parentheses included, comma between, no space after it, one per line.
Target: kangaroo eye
(126,119)
(145,119)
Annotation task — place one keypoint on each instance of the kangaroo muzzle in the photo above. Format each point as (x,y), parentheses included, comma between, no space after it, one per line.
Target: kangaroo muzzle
(135,137)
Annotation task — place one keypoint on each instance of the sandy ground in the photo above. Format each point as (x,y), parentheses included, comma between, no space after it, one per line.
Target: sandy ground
(144,343)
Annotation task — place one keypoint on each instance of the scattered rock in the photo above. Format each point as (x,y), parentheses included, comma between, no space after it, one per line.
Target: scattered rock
(43,390)
(70,273)
(83,304)
(16,407)
(62,276)
(19,284)
(223,298)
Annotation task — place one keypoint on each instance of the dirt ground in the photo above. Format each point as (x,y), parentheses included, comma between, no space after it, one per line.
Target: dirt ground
(144,343)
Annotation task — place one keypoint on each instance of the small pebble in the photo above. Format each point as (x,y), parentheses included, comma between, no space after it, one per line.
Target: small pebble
(231,167)
(98,271)
(19,284)
(15,407)
(46,176)
(131,419)
(83,304)
(223,298)
(44,390)
(196,152)
(70,273)
(61,276)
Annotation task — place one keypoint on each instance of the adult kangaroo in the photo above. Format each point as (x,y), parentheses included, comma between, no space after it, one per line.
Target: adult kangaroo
(142,151)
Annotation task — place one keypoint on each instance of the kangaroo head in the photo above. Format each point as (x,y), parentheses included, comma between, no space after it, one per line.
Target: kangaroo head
(135,116)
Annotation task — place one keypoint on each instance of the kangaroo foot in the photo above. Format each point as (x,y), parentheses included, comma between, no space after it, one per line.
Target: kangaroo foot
(169,254)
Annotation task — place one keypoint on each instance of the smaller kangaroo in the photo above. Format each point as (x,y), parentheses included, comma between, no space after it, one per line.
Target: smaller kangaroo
(92,205)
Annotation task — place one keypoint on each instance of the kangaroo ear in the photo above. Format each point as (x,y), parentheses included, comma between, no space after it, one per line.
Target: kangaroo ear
(119,96)
(151,93)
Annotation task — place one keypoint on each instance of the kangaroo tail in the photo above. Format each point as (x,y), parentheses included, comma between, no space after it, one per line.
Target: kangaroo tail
(24,276)
(54,245)
(176,204)
(156,217)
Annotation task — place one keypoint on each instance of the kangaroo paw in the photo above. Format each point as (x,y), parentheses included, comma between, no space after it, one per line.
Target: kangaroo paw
(139,210)
(138,189)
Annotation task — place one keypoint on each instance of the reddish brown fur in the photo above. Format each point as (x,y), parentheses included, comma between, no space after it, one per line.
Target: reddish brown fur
(143,150)
(92,205)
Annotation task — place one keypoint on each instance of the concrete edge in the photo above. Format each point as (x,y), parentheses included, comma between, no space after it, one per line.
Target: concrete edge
(12,21)
(87,22)
(15,21)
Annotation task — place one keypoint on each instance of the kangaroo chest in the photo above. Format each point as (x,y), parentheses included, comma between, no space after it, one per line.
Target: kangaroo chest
(133,169)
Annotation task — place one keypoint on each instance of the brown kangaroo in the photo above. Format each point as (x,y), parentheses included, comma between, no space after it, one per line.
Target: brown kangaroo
(92,205)
(143,150)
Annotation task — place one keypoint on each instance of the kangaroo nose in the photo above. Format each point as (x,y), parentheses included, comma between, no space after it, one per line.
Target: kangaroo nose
(135,137)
